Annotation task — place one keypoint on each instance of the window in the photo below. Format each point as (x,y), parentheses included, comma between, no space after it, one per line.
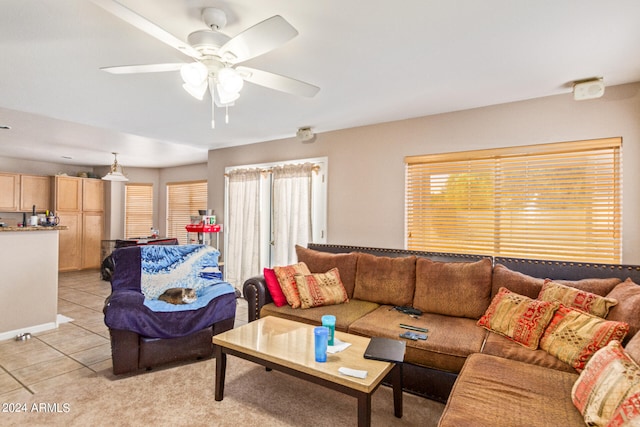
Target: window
(553,201)
(184,199)
(138,207)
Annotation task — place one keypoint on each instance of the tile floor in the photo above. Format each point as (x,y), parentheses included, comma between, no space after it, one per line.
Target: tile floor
(71,352)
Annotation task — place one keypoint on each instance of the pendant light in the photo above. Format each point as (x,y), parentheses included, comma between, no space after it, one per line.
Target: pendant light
(116,173)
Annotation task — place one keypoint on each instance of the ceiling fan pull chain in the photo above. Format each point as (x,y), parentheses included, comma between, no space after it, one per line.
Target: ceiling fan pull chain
(213,103)
(226,116)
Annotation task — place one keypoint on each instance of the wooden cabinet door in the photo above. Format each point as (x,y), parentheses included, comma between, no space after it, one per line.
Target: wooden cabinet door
(9,192)
(92,195)
(70,241)
(91,239)
(35,190)
(68,193)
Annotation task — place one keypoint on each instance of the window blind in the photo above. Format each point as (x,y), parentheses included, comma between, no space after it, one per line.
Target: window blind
(138,210)
(557,201)
(184,199)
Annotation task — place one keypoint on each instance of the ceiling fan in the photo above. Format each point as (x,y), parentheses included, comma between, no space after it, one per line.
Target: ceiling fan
(216,56)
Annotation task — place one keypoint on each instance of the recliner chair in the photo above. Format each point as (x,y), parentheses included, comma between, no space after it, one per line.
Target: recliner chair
(146,332)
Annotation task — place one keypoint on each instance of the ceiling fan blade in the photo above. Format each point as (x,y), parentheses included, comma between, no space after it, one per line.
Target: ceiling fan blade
(143,24)
(261,38)
(150,68)
(278,82)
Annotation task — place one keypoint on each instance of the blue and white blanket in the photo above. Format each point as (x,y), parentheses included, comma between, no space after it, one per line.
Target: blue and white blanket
(179,266)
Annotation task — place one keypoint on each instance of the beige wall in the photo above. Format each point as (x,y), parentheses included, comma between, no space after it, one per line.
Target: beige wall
(366,168)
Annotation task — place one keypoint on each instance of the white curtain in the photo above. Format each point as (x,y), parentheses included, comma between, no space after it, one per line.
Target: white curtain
(242,257)
(291,210)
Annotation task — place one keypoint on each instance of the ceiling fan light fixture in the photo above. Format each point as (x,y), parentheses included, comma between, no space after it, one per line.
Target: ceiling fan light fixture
(116,172)
(225,97)
(194,73)
(196,91)
(230,80)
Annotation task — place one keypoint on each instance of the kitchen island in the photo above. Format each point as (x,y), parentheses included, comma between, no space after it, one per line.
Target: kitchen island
(29,284)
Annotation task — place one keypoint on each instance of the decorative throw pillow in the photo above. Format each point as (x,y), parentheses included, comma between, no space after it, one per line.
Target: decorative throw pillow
(607,392)
(321,289)
(576,298)
(573,336)
(518,318)
(287,281)
(274,287)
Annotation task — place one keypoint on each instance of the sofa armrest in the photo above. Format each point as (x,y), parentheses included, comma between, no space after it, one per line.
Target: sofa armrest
(256,293)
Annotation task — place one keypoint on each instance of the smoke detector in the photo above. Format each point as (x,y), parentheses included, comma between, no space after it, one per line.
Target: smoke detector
(304,134)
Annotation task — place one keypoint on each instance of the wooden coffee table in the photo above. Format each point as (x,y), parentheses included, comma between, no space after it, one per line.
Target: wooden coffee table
(288,346)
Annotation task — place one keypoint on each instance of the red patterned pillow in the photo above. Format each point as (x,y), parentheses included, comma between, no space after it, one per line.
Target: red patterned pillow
(321,289)
(573,336)
(287,281)
(607,391)
(573,297)
(518,318)
(274,287)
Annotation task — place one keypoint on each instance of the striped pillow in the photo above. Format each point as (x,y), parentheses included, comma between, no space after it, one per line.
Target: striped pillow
(285,275)
(607,392)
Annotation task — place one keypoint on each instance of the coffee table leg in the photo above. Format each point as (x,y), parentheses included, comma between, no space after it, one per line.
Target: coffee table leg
(221,368)
(396,375)
(364,410)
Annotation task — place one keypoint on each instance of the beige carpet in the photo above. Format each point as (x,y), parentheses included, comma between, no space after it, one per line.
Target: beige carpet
(184,396)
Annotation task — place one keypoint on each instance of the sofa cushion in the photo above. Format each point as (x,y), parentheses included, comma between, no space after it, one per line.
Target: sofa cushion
(518,317)
(530,286)
(285,275)
(498,345)
(577,298)
(494,391)
(319,262)
(594,285)
(461,289)
(385,280)
(321,289)
(608,390)
(515,281)
(450,339)
(628,309)
(573,336)
(345,313)
(273,285)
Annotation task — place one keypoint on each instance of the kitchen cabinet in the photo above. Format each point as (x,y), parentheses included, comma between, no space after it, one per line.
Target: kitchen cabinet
(68,193)
(35,190)
(19,192)
(69,255)
(92,225)
(92,195)
(79,203)
(9,192)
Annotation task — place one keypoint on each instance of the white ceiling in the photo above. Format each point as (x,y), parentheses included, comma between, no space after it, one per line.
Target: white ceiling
(374,61)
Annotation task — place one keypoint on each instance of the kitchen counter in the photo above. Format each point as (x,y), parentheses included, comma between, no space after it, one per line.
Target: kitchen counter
(37,228)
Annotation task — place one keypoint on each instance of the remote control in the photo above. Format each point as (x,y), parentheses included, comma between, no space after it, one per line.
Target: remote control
(413,336)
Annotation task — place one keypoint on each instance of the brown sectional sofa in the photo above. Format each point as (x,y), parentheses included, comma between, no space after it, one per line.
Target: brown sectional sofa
(485,378)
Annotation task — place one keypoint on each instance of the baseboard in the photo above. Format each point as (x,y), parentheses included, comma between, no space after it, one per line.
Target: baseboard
(31,329)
